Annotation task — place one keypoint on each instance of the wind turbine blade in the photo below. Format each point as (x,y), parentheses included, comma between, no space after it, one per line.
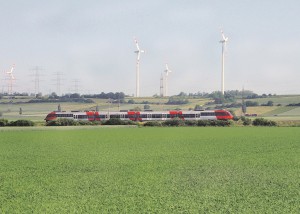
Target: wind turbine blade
(137,45)
(223,36)
(167,68)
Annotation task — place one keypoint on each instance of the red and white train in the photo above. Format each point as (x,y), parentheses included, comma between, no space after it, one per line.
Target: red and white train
(142,115)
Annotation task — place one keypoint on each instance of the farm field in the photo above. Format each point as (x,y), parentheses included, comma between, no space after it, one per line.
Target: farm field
(150,170)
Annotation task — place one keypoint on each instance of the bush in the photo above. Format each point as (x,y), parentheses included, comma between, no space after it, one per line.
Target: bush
(190,122)
(246,121)
(117,121)
(3,122)
(222,123)
(263,122)
(203,123)
(70,122)
(153,123)
(62,122)
(88,123)
(174,122)
(214,123)
(129,122)
(21,123)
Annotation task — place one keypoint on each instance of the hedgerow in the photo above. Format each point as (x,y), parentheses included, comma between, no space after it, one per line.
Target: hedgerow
(4,122)
(263,122)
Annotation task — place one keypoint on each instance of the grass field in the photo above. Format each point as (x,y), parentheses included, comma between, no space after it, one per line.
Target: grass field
(150,170)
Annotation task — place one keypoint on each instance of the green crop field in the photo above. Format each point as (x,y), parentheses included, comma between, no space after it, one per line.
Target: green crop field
(149,170)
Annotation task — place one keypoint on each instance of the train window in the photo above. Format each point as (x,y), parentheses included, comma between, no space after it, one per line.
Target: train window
(115,116)
(82,116)
(143,116)
(156,115)
(207,114)
(189,115)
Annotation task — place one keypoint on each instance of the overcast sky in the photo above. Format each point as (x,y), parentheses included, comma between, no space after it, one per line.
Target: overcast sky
(91,43)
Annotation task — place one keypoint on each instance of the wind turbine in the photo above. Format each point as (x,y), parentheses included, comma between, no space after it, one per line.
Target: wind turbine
(11,78)
(167,71)
(161,85)
(223,41)
(138,54)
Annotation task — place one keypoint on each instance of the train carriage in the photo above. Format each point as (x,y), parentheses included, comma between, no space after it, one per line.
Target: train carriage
(141,115)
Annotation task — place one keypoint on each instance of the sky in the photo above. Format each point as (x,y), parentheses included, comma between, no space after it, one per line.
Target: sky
(90,43)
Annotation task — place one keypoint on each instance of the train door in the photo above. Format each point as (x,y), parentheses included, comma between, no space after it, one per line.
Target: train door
(122,116)
(75,116)
(164,116)
(149,116)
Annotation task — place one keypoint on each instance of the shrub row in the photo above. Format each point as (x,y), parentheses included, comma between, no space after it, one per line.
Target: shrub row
(4,122)
(179,122)
(69,122)
(257,122)
(263,122)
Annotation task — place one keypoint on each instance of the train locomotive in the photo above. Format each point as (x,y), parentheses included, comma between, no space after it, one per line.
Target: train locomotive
(140,115)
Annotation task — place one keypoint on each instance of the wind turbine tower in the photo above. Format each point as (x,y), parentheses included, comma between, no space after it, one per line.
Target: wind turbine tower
(138,54)
(223,42)
(167,71)
(11,78)
(162,85)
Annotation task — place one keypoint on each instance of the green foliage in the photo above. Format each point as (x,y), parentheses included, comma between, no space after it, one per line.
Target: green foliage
(153,123)
(177,100)
(197,107)
(269,103)
(117,121)
(70,122)
(3,122)
(174,122)
(246,121)
(263,122)
(21,123)
(88,123)
(251,103)
(190,122)
(131,101)
(214,123)
(136,109)
(62,122)
(147,107)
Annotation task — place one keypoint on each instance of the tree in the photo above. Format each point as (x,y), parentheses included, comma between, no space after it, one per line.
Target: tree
(53,95)
(136,108)
(20,111)
(251,103)
(197,108)
(270,103)
(131,101)
(147,107)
